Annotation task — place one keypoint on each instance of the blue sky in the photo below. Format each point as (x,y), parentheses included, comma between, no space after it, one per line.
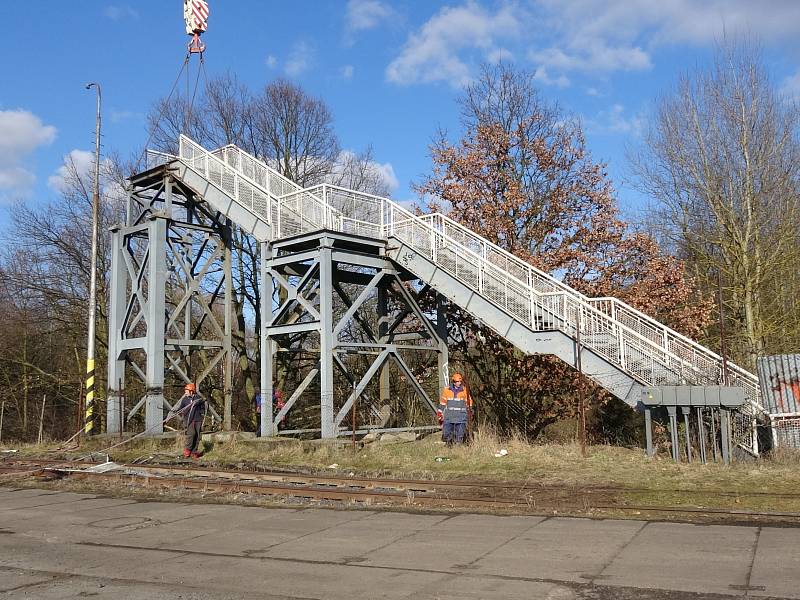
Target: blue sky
(389,69)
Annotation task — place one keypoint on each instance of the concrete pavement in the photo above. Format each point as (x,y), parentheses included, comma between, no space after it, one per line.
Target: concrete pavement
(68,545)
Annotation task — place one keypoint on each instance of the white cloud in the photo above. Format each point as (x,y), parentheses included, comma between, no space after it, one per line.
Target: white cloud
(790,86)
(80,163)
(300,59)
(350,171)
(271,62)
(543,77)
(610,35)
(387,175)
(592,56)
(119,12)
(117,116)
(615,120)
(16,178)
(21,132)
(366,14)
(433,52)
(347,71)
(77,162)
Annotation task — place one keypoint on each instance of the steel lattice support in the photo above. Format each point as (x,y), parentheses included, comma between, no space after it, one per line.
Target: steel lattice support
(335,301)
(170,298)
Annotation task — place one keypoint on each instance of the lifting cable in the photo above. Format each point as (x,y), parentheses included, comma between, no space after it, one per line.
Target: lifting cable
(164,107)
(188,116)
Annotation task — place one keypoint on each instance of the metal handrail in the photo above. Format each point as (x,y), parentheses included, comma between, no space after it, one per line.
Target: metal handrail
(617,305)
(411,218)
(155,158)
(231,181)
(257,163)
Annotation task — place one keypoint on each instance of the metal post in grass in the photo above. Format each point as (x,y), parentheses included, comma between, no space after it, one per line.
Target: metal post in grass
(714,434)
(2,414)
(701,434)
(673,430)
(41,420)
(353,415)
(121,393)
(725,430)
(685,410)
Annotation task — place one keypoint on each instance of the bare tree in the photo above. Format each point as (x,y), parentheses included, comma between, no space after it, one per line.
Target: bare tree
(44,281)
(359,171)
(224,112)
(294,131)
(722,161)
(216,116)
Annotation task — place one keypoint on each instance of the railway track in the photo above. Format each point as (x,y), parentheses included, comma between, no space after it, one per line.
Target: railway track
(369,491)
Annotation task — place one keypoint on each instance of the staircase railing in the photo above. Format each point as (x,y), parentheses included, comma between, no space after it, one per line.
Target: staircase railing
(258,171)
(683,352)
(228,178)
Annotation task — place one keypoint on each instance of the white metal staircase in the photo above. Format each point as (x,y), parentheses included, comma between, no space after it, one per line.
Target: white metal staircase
(532,309)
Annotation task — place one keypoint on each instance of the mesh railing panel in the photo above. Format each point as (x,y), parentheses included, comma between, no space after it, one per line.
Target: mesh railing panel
(221,168)
(786,432)
(153,158)
(257,171)
(300,212)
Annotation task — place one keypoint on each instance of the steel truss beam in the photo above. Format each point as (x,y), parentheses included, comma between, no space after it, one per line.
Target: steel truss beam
(311,272)
(170,299)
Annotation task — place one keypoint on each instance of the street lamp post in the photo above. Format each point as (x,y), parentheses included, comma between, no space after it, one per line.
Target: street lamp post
(88,417)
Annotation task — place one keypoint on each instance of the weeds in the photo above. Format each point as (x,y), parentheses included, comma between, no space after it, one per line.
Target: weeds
(525,463)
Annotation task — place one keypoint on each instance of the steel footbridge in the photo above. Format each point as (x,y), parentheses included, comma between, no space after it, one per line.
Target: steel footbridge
(617,346)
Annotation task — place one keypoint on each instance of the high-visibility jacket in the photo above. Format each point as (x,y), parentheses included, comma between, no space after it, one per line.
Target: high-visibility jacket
(455,402)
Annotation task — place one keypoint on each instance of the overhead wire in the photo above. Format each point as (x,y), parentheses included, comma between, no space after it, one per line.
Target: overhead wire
(200,68)
(163,110)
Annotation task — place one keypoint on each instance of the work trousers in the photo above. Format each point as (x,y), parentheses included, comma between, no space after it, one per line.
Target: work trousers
(193,435)
(453,433)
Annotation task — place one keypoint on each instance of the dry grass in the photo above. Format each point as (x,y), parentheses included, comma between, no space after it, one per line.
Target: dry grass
(547,464)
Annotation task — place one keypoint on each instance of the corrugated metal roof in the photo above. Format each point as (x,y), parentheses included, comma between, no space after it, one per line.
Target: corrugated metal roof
(779,377)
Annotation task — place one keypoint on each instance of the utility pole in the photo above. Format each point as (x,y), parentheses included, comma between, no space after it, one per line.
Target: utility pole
(88,416)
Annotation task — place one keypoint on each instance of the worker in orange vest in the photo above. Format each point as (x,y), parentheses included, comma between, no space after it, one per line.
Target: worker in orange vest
(455,407)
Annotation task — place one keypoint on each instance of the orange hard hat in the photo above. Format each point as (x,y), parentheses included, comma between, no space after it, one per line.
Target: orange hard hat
(190,387)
